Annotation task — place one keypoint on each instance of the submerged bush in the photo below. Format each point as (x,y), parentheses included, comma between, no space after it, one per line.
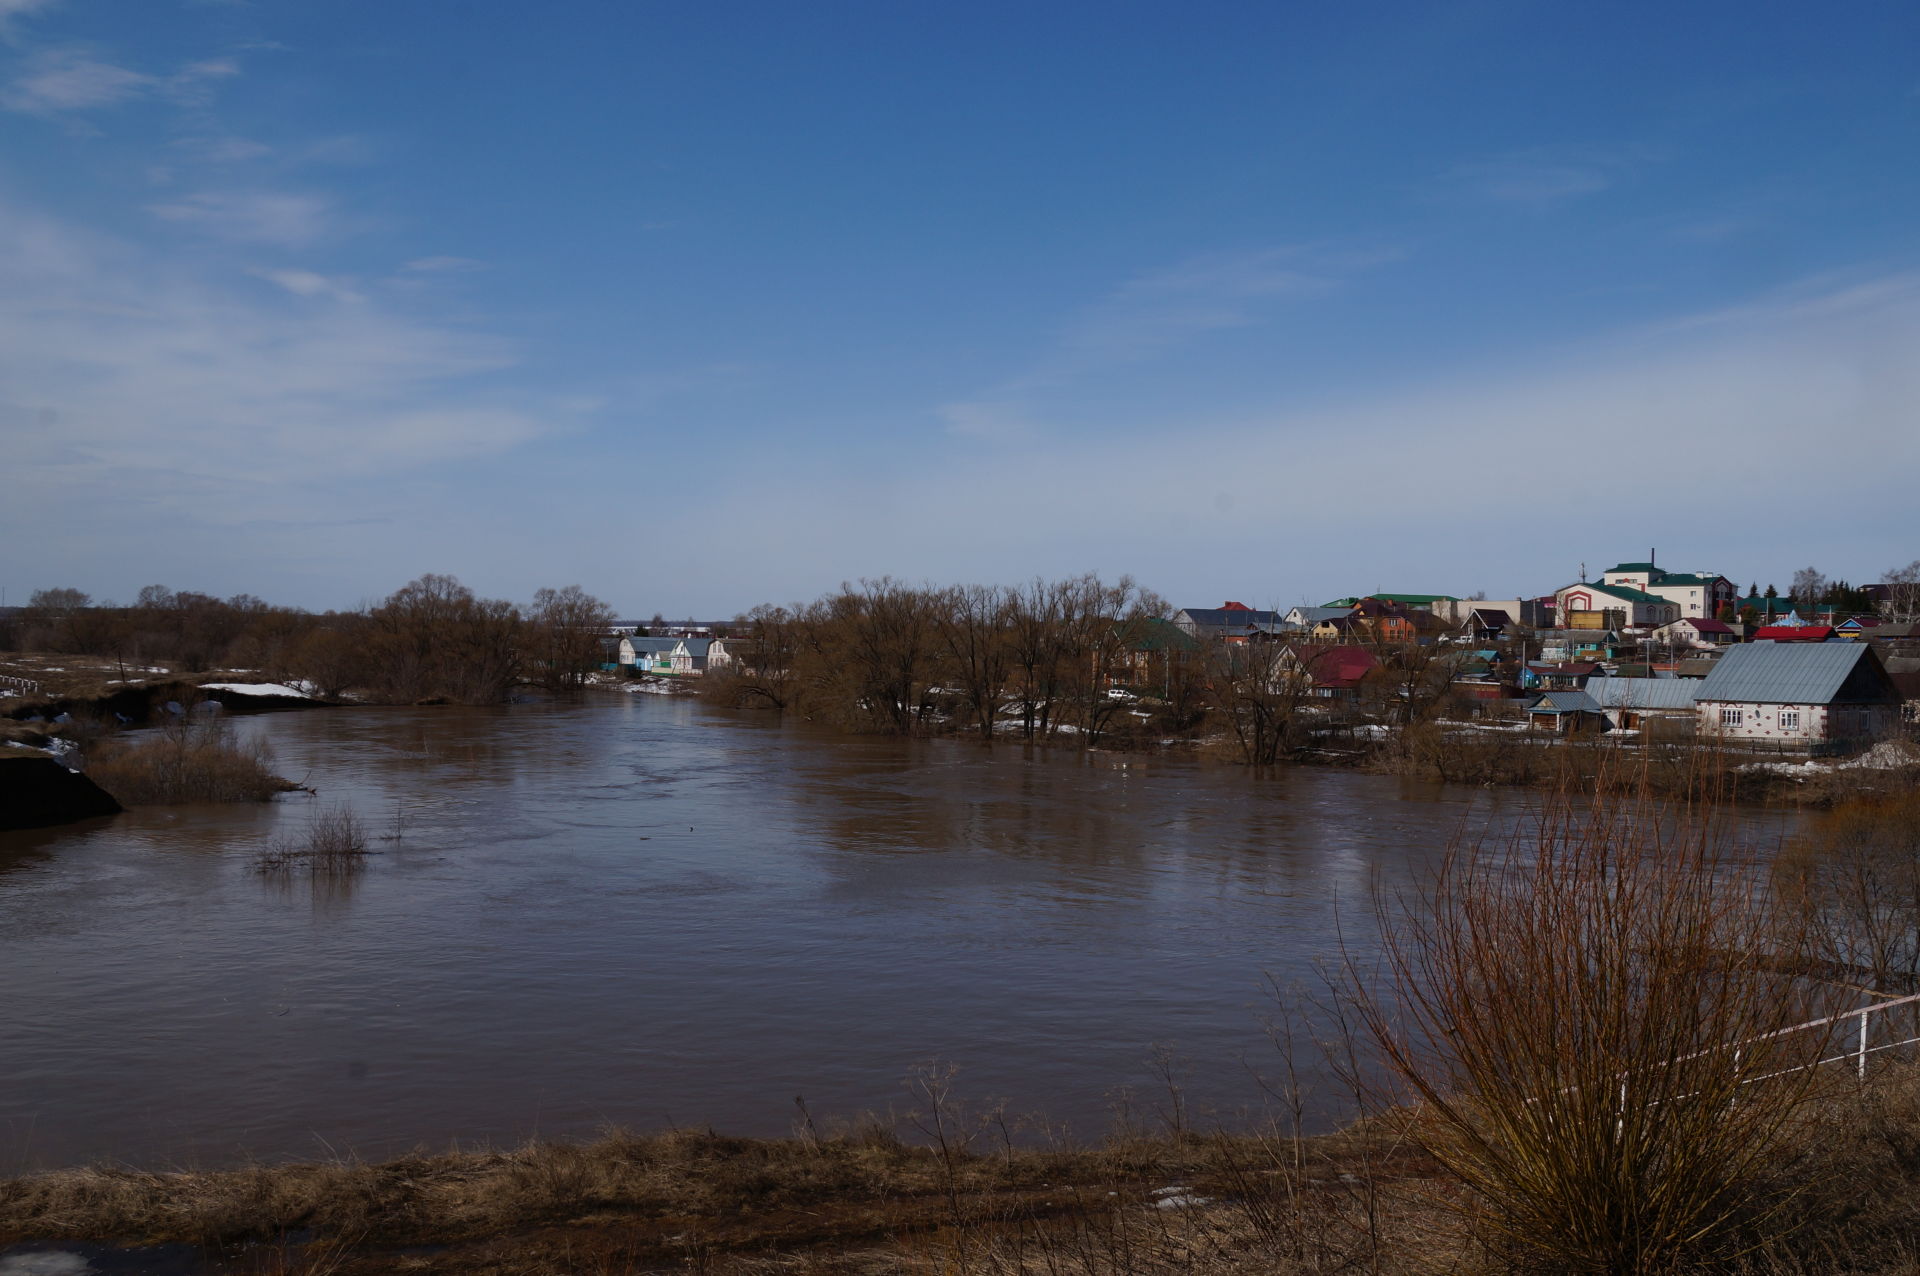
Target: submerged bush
(334,841)
(185,762)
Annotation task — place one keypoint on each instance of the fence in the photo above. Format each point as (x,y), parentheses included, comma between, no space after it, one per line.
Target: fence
(18,684)
(1859,1041)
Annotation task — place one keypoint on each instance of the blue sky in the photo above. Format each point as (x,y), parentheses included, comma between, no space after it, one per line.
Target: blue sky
(701,306)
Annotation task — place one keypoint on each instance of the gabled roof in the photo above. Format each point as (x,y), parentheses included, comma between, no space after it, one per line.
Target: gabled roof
(1706,626)
(1335,668)
(1489,617)
(1619,591)
(1564,702)
(1235,617)
(1645,693)
(652,644)
(1632,567)
(1787,673)
(1415,600)
(1155,634)
(1793,633)
(1314,615)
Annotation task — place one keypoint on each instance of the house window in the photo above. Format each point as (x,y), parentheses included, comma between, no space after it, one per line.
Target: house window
(1789,719)
(1731,717)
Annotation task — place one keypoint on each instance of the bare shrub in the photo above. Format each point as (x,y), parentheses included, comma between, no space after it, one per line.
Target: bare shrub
(334,841)
(1856,872)
(186,761)
(1579,1024)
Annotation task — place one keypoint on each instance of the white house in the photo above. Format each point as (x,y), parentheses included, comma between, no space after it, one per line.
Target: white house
(1619,606)
(1697,593)
(647,655)
(1702,633)
(1798,693)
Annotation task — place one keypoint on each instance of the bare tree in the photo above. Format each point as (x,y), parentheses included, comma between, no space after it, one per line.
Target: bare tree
(1901,605)
(566,628)
(1258,689)
(972,620)
(1809,587)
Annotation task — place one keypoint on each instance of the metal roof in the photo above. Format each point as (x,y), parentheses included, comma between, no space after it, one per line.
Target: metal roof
(1565,702)
(1624,592)
(1783,673)
(1645,693)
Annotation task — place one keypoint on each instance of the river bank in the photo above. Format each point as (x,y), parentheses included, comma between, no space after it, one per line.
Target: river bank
(857,1201)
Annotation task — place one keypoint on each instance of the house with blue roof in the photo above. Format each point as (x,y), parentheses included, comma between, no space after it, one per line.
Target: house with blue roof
(1819,693)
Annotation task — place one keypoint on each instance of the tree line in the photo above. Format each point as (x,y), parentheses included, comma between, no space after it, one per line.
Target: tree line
(1082,658)
(431,639)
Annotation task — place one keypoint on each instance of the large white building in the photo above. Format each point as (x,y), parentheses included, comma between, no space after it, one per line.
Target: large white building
(1699,594)
(1620,606)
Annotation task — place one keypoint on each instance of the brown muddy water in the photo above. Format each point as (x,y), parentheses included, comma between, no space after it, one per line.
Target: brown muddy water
(646,912)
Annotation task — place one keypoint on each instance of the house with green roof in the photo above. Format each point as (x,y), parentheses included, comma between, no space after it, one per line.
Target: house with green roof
(1598,605)
(1699,594)
(1419,602)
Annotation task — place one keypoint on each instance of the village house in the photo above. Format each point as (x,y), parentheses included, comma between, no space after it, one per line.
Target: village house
(1570,675)
(1579,644)
(1792,633)
(1633,704)
(646,655)
(1598,605)
(1799,693)
(1303,619)
(1698,632)
(689,656)
(1377,621)
(1333,673)
(1697,594)
(1229,622)
(1566,712)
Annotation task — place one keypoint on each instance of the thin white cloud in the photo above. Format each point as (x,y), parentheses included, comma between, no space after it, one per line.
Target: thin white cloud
(68,80)
(253,216)
(1543,177)
(1156,312)
(1701,432)
(443,265)
(60,80)
(225,149)
(13,10)
(123,377)
(307,283)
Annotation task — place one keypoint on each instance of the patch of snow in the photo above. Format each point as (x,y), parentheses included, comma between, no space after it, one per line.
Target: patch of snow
(656,687)
(1178,1198)
(257,689)
(1888,755)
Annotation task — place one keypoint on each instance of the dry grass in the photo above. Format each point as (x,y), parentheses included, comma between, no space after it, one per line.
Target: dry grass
(634,1203)
(187,761)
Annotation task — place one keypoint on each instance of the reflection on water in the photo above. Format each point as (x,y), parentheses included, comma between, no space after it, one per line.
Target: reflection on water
(642,911)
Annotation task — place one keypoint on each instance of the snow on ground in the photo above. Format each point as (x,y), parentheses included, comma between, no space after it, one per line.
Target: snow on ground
(1888,755)
(656,687)
(257,689)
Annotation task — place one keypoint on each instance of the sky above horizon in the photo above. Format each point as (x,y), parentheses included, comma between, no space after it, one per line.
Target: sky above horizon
(705,306)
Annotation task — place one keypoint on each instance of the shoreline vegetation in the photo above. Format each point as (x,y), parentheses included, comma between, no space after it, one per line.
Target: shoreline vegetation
(1609,1042)
(1078,662)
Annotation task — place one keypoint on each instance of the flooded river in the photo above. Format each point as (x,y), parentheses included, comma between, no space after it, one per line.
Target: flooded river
(642,911)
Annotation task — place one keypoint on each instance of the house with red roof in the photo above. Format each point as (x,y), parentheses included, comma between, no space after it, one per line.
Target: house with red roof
(1793,633)
(1333,672)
